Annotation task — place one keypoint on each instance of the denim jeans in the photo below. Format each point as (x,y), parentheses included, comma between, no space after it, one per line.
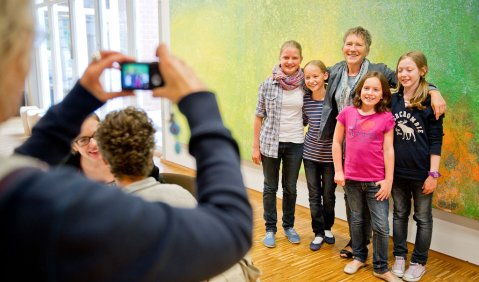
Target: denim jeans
(361,194)
(291,155)
(402,192)
(367,220)
(321,188)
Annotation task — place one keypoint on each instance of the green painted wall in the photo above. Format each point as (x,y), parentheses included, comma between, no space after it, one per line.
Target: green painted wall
(234,44)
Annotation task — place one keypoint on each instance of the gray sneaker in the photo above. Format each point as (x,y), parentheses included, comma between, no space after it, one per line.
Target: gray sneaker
(399,266)
(292,235)
(414,272)
(269,240)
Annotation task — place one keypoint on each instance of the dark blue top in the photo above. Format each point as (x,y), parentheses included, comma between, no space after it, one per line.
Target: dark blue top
(417,136)
(57,225)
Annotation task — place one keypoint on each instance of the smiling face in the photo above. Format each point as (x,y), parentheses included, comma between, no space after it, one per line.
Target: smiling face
(314,77)
(355,50)
(290,60)
(371,92)
(89,151)
(409,74)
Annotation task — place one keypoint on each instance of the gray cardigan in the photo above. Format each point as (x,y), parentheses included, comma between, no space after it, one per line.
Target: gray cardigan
(330,109)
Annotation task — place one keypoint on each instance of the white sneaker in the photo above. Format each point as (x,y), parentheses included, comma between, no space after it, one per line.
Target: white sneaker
(399,266)
(414,272)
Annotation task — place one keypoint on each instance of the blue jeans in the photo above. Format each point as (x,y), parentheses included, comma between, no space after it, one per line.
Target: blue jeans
(321,188)
(361,194)
(367,220)
(402,192)
(291,154)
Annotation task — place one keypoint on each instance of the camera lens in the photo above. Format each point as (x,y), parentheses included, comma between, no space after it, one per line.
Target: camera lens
(156,80)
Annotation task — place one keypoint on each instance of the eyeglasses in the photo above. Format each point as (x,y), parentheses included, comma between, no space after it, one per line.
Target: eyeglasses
(84,140)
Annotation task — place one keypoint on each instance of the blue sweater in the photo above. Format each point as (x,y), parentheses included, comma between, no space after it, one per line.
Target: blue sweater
(57,225)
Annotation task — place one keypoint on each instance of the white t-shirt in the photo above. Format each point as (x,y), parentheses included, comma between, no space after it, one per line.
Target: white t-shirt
(291,120)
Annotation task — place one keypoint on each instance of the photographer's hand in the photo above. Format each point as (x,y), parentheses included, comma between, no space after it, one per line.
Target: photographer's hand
(91,77)
(180,80)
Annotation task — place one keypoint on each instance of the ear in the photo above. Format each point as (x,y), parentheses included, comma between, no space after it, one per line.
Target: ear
(326,76)
(366,53)
(423,71)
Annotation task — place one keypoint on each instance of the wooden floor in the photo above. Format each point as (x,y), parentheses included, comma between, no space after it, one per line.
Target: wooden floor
(289,262)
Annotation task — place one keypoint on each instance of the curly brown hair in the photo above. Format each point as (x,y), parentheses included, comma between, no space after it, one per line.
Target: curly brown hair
(126,139)
(383,105)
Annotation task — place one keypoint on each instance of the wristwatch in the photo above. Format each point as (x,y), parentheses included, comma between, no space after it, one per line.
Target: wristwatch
(434,174)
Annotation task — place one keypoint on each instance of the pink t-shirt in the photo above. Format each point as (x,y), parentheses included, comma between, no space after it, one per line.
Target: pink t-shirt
(364,156)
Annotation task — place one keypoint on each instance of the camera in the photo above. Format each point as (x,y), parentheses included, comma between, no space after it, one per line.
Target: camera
(143,76)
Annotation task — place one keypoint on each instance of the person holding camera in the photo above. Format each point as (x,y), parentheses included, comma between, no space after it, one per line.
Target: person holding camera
(58,225)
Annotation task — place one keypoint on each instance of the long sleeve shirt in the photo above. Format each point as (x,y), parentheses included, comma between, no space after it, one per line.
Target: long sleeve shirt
(417,136)
(56,225)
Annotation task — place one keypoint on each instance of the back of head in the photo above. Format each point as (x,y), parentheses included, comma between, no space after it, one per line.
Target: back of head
(16,37)
(126,139)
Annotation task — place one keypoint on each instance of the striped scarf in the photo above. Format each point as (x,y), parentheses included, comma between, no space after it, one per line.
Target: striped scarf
(288,82)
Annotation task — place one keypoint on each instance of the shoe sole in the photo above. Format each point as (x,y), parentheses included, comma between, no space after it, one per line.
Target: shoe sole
(381,276)
(269,246)
(329,241)
(414,279)
(397,274)
(292,242)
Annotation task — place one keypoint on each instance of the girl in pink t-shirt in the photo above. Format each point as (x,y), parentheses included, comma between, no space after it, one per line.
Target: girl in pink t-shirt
(367,129)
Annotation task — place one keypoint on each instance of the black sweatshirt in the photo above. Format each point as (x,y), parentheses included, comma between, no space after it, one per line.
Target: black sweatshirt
(417,136)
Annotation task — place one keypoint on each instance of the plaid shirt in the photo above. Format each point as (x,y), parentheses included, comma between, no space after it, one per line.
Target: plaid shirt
(270,97)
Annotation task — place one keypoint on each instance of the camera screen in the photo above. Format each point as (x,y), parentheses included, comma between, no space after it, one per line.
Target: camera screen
(135,76)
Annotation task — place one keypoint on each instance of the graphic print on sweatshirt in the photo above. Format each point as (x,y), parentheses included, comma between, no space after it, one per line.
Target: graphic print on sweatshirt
(407,126)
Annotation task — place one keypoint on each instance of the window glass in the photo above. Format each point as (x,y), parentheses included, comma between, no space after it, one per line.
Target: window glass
(85,33)
(74,30)
(64,49)
(147,39)
(45,64)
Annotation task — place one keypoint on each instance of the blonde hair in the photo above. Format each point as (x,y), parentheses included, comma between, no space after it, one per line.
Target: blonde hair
(16,37)
(16,29)
(317,63)
(291,44)
(421,93)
